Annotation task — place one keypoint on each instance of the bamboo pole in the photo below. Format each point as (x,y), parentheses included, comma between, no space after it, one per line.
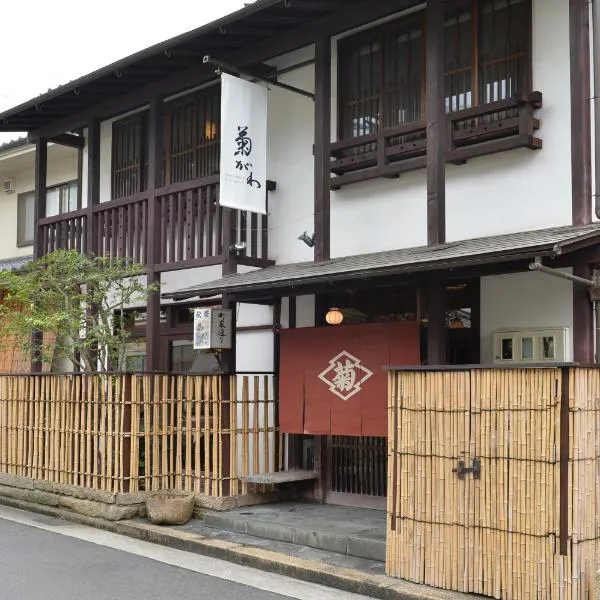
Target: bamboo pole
(188,411)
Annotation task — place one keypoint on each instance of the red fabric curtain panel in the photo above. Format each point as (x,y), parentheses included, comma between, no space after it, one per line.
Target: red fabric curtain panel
(333,379)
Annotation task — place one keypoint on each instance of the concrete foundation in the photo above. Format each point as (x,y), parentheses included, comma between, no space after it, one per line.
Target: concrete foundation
(113,506)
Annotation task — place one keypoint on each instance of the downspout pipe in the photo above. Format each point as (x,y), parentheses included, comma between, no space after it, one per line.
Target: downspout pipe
(592,285)
(595,4)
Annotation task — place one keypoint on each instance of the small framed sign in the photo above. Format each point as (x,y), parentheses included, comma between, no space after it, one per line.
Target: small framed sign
(212,328)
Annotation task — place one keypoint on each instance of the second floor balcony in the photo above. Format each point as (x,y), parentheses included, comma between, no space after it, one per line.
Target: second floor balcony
(177,223)
(191,228)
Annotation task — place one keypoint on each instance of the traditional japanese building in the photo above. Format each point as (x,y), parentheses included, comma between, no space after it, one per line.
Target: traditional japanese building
(429,189)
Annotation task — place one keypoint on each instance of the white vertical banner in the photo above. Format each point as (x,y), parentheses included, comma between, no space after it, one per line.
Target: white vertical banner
(243,145)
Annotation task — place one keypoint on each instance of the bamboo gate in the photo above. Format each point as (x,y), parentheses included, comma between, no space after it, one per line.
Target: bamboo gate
(493,479)
(130,433)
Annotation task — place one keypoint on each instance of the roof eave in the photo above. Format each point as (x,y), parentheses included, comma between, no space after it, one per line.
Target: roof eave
(256,7)
(301,282)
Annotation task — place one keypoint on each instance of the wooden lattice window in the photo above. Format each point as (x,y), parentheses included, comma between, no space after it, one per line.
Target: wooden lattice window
(487,56)
(192,127)
(130,156)
(382,70)
(381,77)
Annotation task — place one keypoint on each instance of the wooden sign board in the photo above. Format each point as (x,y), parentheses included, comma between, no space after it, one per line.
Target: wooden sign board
(333,379)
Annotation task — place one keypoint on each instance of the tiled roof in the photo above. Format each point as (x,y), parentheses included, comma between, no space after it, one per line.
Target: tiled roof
(22,141)
(14,264)
(492,249)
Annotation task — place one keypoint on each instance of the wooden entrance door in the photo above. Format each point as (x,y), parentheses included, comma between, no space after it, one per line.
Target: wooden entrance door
(480,530)
(357,471)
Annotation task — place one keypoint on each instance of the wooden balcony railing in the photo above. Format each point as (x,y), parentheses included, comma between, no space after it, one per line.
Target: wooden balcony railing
(66,231)
(190,228)
(486,129)
(122,228)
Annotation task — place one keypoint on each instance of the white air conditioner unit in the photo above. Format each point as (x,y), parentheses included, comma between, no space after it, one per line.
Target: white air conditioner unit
(8,186)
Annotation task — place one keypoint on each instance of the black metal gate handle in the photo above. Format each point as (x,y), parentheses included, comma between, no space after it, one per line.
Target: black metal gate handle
(461,470)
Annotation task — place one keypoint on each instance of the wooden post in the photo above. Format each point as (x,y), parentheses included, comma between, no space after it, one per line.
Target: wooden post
(93,187)
(41,175)
(436,124)
(583,318)
(581,130)
(91,245)
(294,441)
(322,147)
(228,357)
(80,172)
(436,328)
(276,365)
(155,156)
(126,433)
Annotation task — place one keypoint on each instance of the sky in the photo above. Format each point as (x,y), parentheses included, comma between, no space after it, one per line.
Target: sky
(46,44)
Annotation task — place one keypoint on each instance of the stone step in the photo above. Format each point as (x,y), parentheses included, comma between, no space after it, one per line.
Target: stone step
(330,537)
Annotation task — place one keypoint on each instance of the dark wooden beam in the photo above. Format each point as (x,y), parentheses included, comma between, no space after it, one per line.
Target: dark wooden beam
(93,185)
(68,139)
(436,124)
(41,175)
(252,261)
(80,175)
(292,312)
(581,140)
(583,318)
(436,326)
(369,10)
(322,249)
(155,157)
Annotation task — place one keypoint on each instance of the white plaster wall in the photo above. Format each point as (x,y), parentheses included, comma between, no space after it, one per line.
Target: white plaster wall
(105,159)
(291,162)
(379,215)
(62,167)
(176,280)
(524,301)
(254,315)
(255,352)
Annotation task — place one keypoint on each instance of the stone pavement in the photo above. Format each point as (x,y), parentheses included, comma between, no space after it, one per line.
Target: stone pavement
(287,529)
(336,570)
(357,532)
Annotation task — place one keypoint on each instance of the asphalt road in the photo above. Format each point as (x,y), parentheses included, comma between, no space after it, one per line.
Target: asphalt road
(42,558)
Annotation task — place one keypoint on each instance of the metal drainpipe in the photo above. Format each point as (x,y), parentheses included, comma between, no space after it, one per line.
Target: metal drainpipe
(596,98)
(592,285)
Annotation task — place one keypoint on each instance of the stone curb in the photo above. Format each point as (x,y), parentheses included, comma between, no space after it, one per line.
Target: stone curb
(348,580)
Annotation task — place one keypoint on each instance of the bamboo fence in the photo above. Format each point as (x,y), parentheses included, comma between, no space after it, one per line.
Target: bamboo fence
(129,433)
(502,535)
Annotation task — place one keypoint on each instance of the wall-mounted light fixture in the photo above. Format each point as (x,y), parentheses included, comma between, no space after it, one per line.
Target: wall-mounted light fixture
(237,249)
(309,240)
(334,316)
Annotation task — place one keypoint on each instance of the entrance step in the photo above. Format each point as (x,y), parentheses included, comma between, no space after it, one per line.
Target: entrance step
(354,532)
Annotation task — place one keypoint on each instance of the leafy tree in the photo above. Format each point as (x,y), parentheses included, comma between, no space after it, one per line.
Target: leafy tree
(77,302)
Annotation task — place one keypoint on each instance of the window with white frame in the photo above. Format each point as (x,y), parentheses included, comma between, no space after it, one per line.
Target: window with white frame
(61,199)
